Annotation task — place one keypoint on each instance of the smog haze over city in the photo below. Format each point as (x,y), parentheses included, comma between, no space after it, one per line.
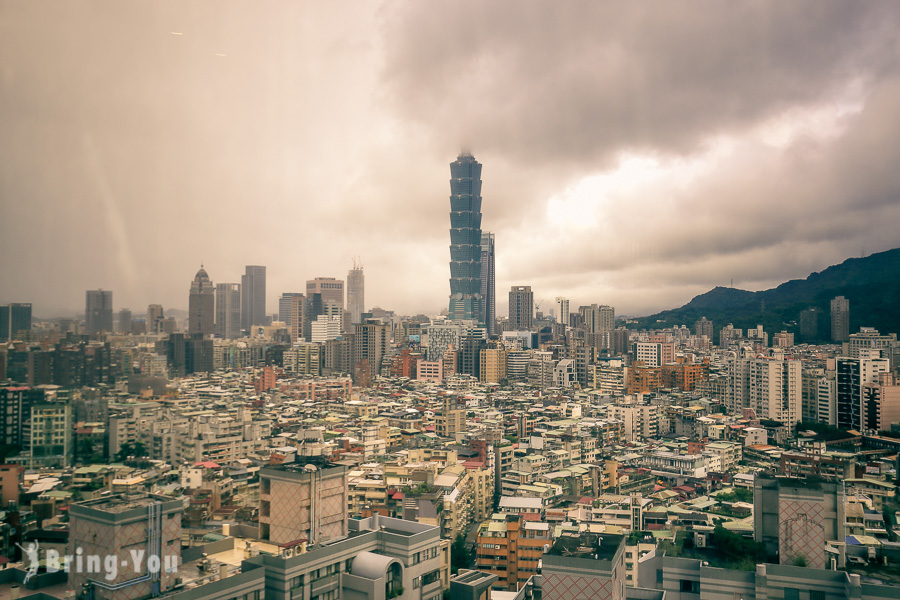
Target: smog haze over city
(633,154)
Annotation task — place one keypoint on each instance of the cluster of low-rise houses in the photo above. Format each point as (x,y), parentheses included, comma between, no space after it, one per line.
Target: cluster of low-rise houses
(521,450)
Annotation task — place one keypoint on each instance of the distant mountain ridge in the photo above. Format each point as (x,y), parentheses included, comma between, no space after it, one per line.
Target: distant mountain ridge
(871,284)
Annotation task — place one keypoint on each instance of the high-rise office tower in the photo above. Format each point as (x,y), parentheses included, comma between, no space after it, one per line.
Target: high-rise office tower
(314,306)
(202,305)
(155,317)
(521,308)
(291,309)
(98,311)
(356,292)
(331,292)
(562,311)
(123,324)
(488,283)
(465,238)
(840,319)
(228,310)
(13,319)
(332,289)
(253,297)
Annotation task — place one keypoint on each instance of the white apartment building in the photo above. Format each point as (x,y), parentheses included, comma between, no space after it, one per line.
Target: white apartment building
(775,389)
(670,464)
(639,421)
(325,328)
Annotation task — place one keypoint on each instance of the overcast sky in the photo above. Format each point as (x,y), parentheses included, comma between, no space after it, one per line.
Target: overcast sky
(635,154)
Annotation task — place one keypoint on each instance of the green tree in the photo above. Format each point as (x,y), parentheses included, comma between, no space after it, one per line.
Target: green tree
(460,555)
(735,548)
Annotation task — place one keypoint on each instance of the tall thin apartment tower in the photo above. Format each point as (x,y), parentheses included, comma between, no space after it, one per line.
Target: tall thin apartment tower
(562,309)
(488,283)
(465,239)
(228,310)
(356,292)
(98,311)
(253,297)
(291,312)
(840,319)
(521,308)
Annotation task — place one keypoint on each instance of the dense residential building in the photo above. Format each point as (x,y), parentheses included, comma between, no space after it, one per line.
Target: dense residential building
(597,319)
(704,327)
(653,354)
(881,402)
(493,365)
(98,311)
(441,337)
(774,389)
(116,526)
(796,517)
(303,501)
(202,305)
(325,328)
(47,435)
(868,339)
(851,374)
(511,548)
(449,420)
(381,558)
(370,344)
(465,239)
(253,297)
(684,579)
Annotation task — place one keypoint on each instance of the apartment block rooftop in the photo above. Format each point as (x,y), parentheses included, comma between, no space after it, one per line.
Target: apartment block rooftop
(587,545)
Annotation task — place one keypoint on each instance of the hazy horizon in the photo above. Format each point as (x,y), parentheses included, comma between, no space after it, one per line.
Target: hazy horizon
(633,157)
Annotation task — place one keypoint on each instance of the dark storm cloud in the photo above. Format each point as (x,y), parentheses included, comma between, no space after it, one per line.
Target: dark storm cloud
(566,95)
(586,80)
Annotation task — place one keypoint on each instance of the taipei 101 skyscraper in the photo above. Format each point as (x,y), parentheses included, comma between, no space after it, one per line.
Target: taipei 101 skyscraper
(465,239)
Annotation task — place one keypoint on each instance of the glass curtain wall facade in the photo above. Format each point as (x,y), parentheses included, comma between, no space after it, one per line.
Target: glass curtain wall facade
(466,301)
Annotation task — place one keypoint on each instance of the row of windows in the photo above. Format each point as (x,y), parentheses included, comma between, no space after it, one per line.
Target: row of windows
(424,555)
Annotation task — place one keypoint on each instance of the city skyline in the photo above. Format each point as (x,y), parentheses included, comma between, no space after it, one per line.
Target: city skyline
(661,153)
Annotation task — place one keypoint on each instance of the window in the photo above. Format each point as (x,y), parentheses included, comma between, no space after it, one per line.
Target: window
(791,594)
(688,585)
(816,595)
